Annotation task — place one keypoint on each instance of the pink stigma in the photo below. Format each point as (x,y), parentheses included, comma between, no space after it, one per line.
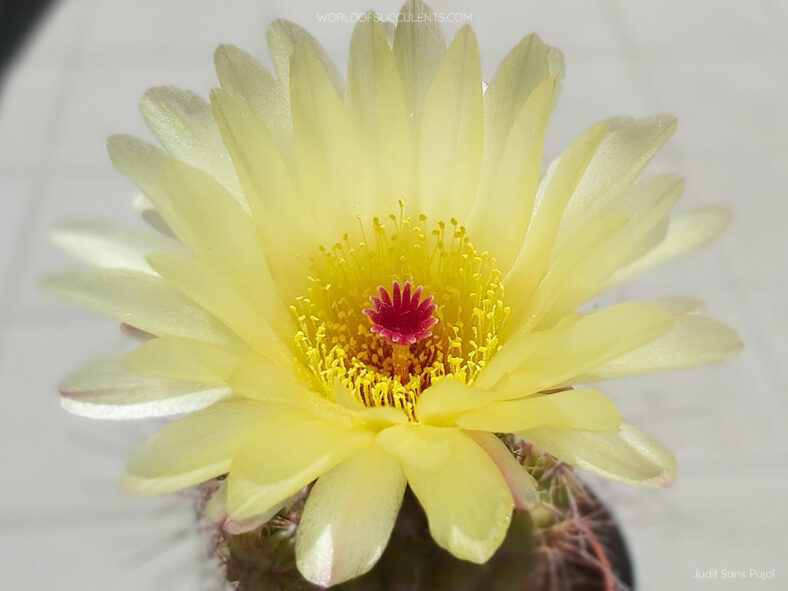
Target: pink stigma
(400,318)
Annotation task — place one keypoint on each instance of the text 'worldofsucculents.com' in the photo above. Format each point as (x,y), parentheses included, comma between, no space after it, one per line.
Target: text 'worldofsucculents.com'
(394,17)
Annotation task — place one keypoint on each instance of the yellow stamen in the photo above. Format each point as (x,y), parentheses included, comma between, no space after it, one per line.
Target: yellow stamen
(334,335)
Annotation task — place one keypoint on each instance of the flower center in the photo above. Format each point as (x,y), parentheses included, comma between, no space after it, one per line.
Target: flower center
(412,340)
(401,318)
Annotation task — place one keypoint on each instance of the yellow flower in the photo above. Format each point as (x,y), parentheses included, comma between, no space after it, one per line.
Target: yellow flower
(366,281)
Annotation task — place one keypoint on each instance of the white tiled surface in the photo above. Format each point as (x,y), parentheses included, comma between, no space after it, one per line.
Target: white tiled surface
(722,66)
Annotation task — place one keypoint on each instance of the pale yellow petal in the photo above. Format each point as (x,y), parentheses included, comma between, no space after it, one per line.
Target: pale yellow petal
(219,231)
(143,206)
(522,485)
(348,518)
(183,123)
(377,104)
(580,251)
(517,105)
(104,389)
(467,500)
(214,507)
(141,300)
(680,304)
(193,449)
(243,75)
(198,209)
(545,359)
(142,162)
(329,159)
(222,235)
(507,188)
(442,401)
(585,408)
(576,190)
(648,204)
(262,379)
(290,449)
(686,232)
(284,222)
(184,358)
(374,417)
(420,447)
(216,510)
(283,38)
(418,48)
(627,147)
(640,198)
(628,455)
(554,190)
(527,66)
(213,291)
(105,244)
(450,144)
(390,29)
(693,340)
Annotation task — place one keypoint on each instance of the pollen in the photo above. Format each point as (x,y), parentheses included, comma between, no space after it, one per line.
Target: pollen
(386,354)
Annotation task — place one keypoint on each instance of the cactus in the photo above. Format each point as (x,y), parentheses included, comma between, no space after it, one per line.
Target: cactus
(568,542)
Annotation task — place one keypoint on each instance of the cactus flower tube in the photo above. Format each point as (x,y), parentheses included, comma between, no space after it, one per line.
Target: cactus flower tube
(367,285)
